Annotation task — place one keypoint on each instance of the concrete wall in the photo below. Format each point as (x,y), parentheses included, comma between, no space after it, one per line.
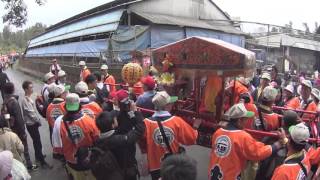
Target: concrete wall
(39,67)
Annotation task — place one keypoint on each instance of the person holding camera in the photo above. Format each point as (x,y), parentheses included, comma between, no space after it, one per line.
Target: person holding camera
(117,143)
(165,132)
(122,104)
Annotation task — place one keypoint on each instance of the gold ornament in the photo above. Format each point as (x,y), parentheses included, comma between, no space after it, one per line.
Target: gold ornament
(131,73)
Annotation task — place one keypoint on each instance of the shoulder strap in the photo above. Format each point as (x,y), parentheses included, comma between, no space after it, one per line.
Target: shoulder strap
(42,93)
(105,78)
(68,131)
(261,119)
(303,168)
(5,103)
(163,134)
(306,107)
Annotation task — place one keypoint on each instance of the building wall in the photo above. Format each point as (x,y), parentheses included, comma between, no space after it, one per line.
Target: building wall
(304,60)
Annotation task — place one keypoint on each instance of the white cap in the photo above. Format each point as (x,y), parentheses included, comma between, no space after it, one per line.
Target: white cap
(81,88)
(162,98)
(307,83)
(61,73)
(299,133)
(289,88)
(82,63)
(244,81)
(6,158)
(51,87)
(266,76)
(238,111)
(58,90)
(270,93)
(316,93)
(48,76)
(104,67)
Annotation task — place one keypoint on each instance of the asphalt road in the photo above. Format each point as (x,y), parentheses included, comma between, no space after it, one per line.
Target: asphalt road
(200,154)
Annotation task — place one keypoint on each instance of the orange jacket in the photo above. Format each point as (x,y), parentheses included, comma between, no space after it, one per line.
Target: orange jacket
(85,133)
(250,121)
(177,131)
(84,74)
(293,103)
(231,148)
(110,81)
(54,110)
(92,109)
(238,90)
(292,170)
(271,121)
(311,107)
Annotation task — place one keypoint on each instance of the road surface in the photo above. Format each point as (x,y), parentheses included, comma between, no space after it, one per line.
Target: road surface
(200,154)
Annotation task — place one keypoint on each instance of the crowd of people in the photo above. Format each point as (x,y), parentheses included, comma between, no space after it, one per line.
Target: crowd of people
(94,128)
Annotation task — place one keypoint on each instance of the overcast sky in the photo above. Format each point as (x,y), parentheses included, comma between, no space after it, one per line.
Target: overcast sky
(277,12)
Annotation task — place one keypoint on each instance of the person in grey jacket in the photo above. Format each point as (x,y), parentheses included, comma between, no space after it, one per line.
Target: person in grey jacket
(32,120)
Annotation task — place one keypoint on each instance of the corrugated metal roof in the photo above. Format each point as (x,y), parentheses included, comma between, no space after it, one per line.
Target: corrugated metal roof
(187,22)
(93,25)
(285,40)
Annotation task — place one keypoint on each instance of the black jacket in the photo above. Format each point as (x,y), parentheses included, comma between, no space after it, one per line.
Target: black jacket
(14,110)
(123,145)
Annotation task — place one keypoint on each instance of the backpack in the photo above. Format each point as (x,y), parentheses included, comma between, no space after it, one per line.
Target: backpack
(41,104)
(103,161)
(4,111)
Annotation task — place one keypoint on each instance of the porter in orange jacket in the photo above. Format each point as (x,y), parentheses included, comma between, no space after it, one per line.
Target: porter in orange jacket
(108,79)
(54,110)
(84,71)
(175,128)
(233,147)
(299,161)
(92,109)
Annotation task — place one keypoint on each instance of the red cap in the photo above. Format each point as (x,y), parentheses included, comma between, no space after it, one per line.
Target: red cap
(122,95)
(149,82)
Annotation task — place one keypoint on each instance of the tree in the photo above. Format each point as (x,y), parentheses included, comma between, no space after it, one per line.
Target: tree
(306,27)
(18,41)
(16,12)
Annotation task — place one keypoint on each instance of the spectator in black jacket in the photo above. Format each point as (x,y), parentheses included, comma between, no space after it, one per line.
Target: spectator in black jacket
(3,80)
(17,123)
(179,167)
(121,144)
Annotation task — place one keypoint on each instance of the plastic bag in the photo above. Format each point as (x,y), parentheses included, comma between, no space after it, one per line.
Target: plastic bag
(19,171)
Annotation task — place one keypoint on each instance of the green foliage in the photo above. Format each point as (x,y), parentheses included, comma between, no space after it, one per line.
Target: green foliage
(16,12)
(18,41)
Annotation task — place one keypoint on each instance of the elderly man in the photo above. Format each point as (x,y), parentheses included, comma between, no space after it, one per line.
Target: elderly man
(290,101)
(307,103)
(55,67)
(264,82)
